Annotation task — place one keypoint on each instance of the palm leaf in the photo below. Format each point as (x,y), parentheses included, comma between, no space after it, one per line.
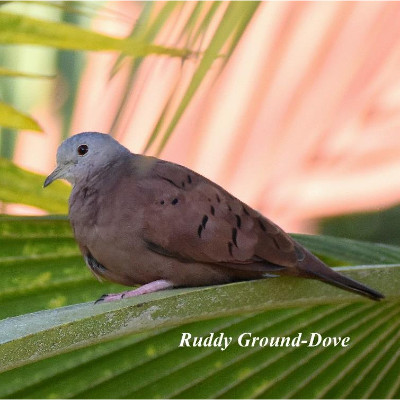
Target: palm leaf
(19,29)
(230,26)
(235,19)
(12,118)
(12,73)
(18,185)
(38,349)
(64,329)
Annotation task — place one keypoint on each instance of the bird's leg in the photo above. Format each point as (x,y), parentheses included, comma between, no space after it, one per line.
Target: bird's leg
(148,288)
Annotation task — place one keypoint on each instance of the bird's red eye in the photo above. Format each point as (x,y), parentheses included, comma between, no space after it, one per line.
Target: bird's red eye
(83,149)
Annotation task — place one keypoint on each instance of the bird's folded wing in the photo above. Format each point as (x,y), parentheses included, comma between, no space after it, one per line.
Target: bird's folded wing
(193,219)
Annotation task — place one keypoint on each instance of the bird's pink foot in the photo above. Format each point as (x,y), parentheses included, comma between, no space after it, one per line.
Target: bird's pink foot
(148,288)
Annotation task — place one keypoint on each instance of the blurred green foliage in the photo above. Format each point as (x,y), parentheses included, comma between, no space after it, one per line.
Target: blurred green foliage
(21,186)
(380,226)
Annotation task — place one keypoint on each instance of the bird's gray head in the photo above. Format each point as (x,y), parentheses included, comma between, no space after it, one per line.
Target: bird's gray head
(83,154)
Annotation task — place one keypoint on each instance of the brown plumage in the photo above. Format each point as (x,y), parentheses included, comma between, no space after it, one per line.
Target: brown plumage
(141,220)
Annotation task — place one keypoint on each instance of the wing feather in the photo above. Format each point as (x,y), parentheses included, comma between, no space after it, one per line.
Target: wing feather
(193,219)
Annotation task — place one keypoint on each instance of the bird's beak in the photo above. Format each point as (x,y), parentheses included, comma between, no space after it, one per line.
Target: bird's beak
(56,174)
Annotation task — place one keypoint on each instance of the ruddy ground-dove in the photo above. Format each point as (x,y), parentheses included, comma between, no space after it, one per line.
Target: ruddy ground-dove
(141,220)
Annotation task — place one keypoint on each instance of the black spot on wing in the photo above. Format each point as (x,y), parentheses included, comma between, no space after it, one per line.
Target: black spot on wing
(276,243)
(230,248)
(238,221)
(262,226)
(204,221)
(174,201)
(200,228)
(189,179)
(170,181)
(245,210)
(217,197)
(234,236)
(212,209)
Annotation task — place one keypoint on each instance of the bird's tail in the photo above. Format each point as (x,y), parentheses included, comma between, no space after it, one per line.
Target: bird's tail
(312,267)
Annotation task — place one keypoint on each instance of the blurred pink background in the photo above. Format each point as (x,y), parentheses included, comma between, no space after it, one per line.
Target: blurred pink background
(303,122)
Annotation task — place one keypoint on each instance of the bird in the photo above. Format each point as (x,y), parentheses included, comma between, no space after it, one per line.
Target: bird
(140,220)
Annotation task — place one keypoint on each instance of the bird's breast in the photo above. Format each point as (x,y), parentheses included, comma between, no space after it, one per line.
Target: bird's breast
(103,220)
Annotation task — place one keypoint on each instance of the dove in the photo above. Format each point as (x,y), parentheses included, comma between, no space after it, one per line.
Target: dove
(139,220)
